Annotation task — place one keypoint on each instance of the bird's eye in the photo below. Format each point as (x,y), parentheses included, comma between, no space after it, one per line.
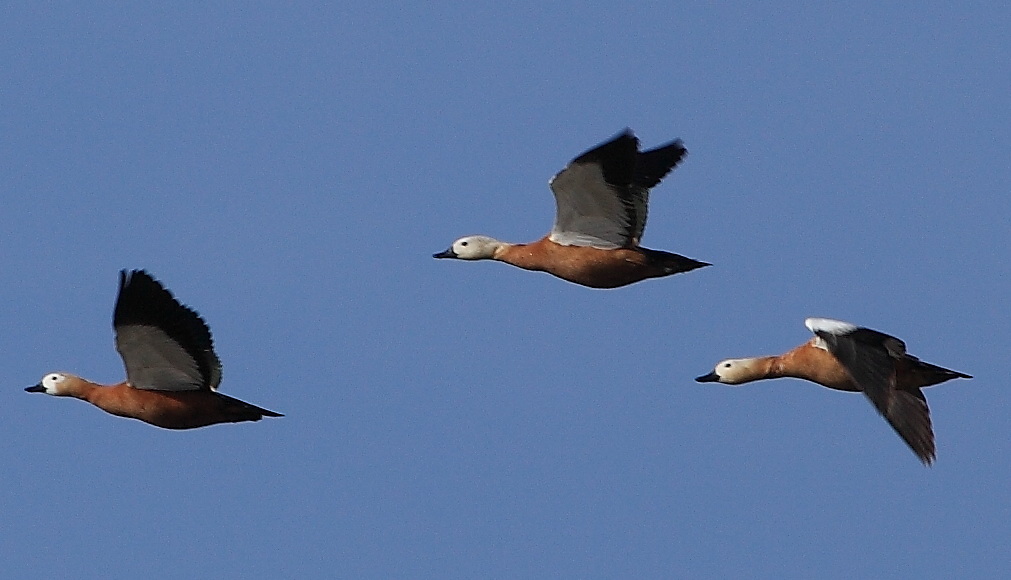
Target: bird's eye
(726,365)
(463,243)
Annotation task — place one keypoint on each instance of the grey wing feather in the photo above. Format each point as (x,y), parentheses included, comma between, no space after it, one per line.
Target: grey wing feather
(156,362)
(589,211)
(602,196)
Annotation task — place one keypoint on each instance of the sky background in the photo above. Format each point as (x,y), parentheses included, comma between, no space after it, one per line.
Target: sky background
(287,169)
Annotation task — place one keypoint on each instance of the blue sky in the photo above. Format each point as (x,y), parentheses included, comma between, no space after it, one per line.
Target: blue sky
(288,171)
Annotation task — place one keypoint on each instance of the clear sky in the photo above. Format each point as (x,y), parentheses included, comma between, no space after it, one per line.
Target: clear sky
(287,169)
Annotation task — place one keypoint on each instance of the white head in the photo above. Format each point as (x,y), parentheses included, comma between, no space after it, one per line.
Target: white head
(57,384)
(471,248)
(732,371)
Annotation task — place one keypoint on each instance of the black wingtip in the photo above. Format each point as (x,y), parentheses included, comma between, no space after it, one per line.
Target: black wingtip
(616,158)
(653,165)
(127,277)
(926,452)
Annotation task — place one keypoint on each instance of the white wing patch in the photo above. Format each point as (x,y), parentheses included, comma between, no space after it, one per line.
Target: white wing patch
(819,342)
(836,327)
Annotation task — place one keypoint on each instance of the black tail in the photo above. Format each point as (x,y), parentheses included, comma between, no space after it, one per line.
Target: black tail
(932,374)
(673,263)
(243,411)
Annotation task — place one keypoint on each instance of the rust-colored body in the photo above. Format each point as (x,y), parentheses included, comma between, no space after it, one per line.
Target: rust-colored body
(601,202)
(815,364)
(166,409)
(891,379)
(595,267)
(171,368)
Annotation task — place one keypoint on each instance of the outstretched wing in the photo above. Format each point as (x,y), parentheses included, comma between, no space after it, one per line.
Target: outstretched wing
(602,196)
(593,196)
(870,358)
(165,346)
(651,167)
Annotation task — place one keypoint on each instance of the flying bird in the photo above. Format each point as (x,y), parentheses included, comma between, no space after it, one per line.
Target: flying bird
(172,372)
(847,357)
(602,198)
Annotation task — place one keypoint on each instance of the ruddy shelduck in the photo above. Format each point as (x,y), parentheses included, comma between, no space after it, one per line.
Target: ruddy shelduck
(172,372)
(846,357)
(601,199)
